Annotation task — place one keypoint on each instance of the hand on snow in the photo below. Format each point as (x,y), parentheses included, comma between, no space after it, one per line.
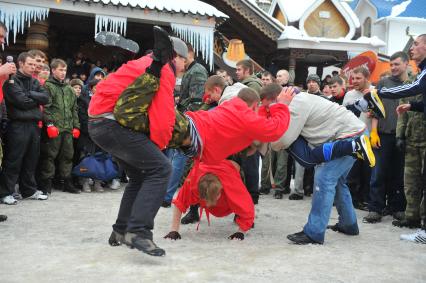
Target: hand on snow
(236,236)
(173,235)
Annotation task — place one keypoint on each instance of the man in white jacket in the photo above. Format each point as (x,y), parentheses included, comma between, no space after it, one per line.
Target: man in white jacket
(319,121)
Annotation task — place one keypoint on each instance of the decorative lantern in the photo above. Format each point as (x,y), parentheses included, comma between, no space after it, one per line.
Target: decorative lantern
(37,36)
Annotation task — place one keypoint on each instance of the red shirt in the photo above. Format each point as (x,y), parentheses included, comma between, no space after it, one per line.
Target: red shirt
(234,197)
(161,111)
(233,126)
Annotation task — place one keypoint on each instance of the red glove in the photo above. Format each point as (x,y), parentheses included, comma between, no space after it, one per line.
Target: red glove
(75,133)
(52,131)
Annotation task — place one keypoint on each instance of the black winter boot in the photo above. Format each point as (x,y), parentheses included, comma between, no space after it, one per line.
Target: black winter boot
(192,216)
(69,187)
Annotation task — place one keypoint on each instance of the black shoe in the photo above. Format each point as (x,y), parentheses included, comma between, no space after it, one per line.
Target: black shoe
(3,218)
(372,217)
(406,223)
(361,206)
(301,239)
(278,194)
(143,244)
(163,46)
(336,228)
(190,217)
(255,199)
(307,191)
(375,104)
(116,239)
(286,191)
(265,191)
(386,211)
(166,204)
(364,151)
(295,197)
(69,187)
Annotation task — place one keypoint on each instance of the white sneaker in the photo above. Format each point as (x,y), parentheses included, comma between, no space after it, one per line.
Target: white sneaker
(98,187)
(115,185)
(38,195)
(9,200)
(418,237)
(86,186)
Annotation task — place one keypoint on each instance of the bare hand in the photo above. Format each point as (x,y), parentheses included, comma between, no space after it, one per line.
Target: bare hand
(286,95)
(403,108)
(7,69)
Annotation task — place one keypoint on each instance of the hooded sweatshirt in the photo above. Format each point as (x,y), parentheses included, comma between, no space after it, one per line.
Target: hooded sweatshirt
(234,197)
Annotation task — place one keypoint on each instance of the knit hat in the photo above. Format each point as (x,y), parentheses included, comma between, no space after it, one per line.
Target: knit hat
(74,82)
(313,77)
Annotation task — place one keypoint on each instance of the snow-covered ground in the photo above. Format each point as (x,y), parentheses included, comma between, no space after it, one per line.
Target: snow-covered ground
(64,239)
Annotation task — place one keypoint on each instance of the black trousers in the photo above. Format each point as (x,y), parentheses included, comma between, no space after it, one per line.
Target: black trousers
(22,151)
(358,181)
(146,166)
(250,167)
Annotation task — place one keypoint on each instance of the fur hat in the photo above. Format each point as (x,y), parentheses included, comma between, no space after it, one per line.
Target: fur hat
(74,82)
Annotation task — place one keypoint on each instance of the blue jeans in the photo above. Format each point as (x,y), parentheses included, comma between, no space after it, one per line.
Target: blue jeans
(178,160)
(330,186)
(387,177)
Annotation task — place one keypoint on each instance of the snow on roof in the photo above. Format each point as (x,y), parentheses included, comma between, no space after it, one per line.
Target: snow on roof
(351,13)
(397,8)
(186,6)
(292,33)
(293,12)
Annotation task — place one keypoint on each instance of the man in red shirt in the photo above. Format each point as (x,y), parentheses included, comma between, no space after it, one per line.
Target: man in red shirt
(219,190)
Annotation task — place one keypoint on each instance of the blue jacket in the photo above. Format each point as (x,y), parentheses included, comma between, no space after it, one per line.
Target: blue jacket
(418,86)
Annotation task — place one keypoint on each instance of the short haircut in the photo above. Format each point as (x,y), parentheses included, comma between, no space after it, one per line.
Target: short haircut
(2,25)
(190,48)
(270,91)
(422,36)
(336,79)
(215,80)
(220,71)
(246,64)
(46,67)
(362,70)
(249,95)
(57,63)
(22,57)
(93,83)
(209,187)
(36,52)
(400,54)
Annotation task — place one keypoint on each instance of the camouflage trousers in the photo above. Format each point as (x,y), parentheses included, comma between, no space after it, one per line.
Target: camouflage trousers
(414,181)
(278,161)
(131,108)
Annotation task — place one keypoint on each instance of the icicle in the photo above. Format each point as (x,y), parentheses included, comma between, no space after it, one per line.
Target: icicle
(110,23)
(14,16)
(201,38)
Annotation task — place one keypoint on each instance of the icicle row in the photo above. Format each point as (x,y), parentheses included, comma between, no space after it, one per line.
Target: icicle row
(110,23)
(14,17)
(201,38)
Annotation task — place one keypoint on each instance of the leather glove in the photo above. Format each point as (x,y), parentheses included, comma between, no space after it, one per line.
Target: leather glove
(173,235)
(75,133)
(400,144)
(374,138)
(52,132)
(236,236)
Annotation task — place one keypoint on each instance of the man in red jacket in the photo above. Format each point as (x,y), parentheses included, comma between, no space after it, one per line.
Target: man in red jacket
(219,190)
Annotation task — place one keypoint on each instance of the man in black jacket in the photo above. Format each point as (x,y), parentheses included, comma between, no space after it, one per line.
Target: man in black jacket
(23,95)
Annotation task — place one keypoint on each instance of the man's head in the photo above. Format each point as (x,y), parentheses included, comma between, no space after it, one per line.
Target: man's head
(221,72)
(250,97)
(3,32)
(334,73)
(418,49)
(267,78)
(59,69)
(336,86)
(45,72)
(399,64)
(214,87)
(27,64)
(326,90)
(360,77)
(269,93)
(282,77)
(77,85)
(181,50)
(99,75)
(244,69)
(92,85)
(209,189)
(40,58)
(313,83)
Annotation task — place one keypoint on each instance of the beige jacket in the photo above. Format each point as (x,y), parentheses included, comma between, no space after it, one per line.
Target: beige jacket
(318,120)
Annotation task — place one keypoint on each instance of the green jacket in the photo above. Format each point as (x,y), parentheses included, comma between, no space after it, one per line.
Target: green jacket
(412,125)
(62,110)
(193,81)
(253,82)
